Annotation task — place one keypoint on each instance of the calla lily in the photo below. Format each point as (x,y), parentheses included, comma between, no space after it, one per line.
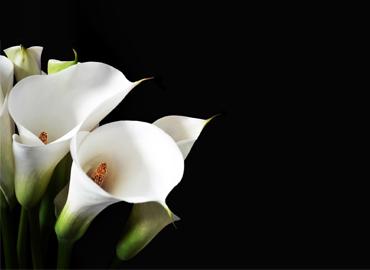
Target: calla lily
(27,61)
(141,164)
(6,131)
(148,219)
(50,110)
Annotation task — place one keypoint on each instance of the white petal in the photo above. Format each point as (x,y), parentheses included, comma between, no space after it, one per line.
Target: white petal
(185,146)
(6,154)
(2,101)
(184,130)
(36,52)
(144,164)
(26,61)
(6,77)
(34,166)
(61,103)
(145,222)
(6,131)
(148,219)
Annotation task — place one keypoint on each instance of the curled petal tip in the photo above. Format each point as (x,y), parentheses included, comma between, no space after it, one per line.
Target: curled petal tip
(148,78)
(168,211)
(144,79)
(173,218)
(55,66)
(211,118)
(76,56)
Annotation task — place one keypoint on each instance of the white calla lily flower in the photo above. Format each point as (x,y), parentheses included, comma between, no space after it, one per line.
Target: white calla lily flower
(50,110)
(6,131)
(141,164)
(27,61)
(184,130)
(148,219)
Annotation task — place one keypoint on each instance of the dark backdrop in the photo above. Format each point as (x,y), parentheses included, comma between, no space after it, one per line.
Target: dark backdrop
(267,184)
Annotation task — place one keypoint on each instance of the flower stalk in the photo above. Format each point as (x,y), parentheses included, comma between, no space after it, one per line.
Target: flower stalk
(64,253)
(35,237)
(22,241)
(47,211)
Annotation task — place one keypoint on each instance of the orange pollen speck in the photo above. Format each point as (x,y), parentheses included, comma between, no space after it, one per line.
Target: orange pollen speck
(44,137)
(100,172)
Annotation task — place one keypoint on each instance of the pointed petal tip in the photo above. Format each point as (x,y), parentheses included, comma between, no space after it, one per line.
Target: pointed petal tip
(76,56)
(174,218)
(143,80)
(211,118)
(170,214)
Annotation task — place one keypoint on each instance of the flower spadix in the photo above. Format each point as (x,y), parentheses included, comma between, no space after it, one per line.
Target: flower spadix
(6,131)
(49,110)
(127,161)
(27,61)
(148,219)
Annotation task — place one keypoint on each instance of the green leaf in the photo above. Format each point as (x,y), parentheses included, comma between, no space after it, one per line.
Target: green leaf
(55,66)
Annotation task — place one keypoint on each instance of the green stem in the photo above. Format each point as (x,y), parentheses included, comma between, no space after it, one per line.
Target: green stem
(47,219)
(7,234)
(33,219)
(22,241)
(64,254)
(47,212)
(115,263)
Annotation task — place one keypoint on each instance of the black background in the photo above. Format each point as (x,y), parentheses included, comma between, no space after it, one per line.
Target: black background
(270,182)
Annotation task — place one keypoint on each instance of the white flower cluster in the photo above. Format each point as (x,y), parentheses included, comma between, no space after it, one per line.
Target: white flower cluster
(59,113)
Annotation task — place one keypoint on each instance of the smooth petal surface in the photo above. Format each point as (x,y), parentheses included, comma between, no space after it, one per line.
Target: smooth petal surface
(148,219)
(6,77)
(6,154)
(26,61)
(144,164)
(145,222)
(60,104)
(6,131)
(34,167)
(55,66)
(184,130)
